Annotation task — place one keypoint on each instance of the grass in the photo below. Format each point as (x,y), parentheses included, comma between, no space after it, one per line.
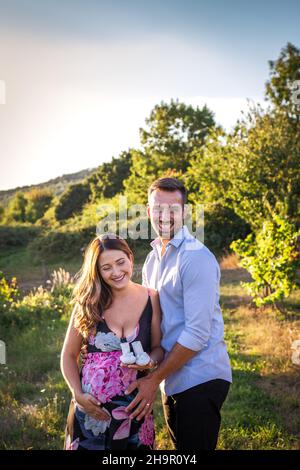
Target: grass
(33,397)
(262,409)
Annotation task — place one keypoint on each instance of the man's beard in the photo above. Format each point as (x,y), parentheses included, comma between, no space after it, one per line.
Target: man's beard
(166,231)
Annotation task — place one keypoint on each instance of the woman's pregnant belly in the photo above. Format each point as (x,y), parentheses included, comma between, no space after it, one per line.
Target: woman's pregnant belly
(103,377)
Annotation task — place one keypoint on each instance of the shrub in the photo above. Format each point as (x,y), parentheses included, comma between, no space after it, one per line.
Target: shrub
(72,201)
(39,305)
(17,236)
(50,246)
(272,258)
(38,201)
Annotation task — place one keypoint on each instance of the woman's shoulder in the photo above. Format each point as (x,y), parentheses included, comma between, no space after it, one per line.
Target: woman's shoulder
(152,292)
(143,289)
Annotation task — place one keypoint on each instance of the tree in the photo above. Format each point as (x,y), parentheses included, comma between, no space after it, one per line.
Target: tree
(173,132)
(108,179)
(2,212)
(272,258)
(38,202)
(17,208)
(72,200)
(283,73)
(254,170)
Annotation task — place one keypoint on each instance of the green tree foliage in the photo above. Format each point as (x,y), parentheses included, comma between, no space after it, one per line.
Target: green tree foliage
(8,291)
(2,213)
(272,258)
(144,170)
(72,200)
(16,211)
(221,227)
(38,202)
(283,72)
(252,170)
(109,177)
(255,172)
(173,131)
(256,168)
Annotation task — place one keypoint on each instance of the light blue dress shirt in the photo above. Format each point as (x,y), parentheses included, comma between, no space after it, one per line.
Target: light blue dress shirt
(187,279)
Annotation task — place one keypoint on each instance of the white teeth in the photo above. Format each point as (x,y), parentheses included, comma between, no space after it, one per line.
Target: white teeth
(119,278)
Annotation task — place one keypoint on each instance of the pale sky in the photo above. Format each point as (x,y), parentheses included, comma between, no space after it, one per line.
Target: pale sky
(81,76)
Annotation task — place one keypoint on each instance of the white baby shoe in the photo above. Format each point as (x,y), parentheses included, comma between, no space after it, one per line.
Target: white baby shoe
(127,356)
(142,358)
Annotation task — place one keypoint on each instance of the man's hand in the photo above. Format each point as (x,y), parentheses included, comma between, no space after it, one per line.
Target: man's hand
(147,386)
(143,402)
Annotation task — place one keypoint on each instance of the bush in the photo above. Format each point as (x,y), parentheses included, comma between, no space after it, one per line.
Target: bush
(222,227)
(38,202)
(272,258)
(50,246)
(72,201)
(8,290)
(39,305)
(16,211)
(17,236)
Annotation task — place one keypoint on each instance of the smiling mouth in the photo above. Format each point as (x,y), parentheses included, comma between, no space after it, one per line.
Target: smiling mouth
(118,279)
(166,226)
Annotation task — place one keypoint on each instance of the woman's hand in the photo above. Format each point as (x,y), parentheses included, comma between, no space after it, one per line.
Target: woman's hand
(91,406)
(151,365)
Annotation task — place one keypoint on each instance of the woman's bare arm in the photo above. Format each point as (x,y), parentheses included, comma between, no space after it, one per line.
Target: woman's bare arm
(69,357)
(70,370)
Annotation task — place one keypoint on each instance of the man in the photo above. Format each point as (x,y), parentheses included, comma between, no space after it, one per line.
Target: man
(195,375)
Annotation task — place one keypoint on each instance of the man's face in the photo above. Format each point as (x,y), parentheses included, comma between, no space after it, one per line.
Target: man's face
(165,209)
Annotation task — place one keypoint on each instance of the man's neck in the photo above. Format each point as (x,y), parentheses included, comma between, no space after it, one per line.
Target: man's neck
(164,243)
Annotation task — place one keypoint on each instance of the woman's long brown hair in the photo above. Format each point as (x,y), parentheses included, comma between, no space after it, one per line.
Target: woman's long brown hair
(91,294)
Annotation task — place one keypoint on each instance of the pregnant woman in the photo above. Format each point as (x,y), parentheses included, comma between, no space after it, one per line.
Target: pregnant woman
(117,319)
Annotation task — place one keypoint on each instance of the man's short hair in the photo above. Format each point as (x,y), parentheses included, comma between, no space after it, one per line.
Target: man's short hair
(168,184)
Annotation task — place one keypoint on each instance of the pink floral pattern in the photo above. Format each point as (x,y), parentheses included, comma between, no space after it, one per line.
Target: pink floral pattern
(124,429)
(72,445)
(146,432)
(104,375)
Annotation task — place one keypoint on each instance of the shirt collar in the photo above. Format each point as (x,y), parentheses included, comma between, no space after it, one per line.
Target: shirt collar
(175,241)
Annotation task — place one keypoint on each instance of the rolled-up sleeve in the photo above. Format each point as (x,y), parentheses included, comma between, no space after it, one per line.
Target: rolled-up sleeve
(200,282)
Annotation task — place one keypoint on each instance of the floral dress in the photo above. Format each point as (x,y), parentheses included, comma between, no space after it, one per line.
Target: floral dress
(103,377)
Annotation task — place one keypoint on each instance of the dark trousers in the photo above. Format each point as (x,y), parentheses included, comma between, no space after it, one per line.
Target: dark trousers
(193,416)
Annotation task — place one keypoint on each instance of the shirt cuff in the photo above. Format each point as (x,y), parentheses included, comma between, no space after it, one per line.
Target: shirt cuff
(189,341)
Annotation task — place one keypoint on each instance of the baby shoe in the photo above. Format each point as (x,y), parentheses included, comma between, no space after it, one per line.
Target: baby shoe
(142,358)
(128,358)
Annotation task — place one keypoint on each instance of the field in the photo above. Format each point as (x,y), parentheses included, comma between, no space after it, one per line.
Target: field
(263,407)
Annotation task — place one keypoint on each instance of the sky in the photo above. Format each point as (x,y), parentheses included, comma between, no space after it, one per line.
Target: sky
(79,77)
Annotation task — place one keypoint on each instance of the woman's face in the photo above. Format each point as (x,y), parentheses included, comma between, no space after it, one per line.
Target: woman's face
(115,268)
